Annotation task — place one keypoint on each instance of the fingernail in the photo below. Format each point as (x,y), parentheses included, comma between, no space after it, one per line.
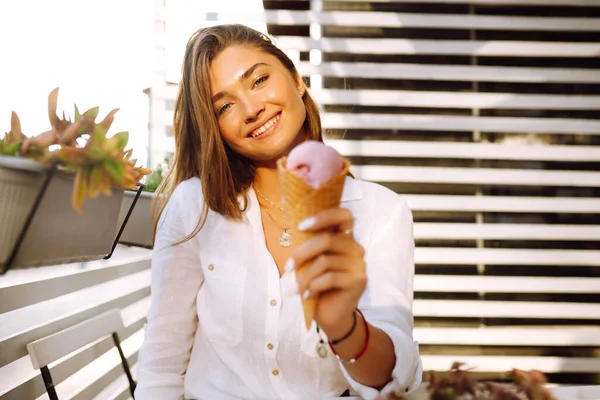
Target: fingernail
(307,223)
(306,294)
(290,264)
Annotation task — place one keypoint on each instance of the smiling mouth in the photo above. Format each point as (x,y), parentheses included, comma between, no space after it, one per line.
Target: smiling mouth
(268,125)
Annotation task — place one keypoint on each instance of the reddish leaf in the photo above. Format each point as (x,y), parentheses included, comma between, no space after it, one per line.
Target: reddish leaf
(79,190)
(52,103)
(15,133)
(73,156)
(70,133)
(108,120)
(96,180)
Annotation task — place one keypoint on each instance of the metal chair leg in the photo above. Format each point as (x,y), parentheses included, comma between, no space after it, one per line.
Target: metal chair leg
(132,383)
(48,383)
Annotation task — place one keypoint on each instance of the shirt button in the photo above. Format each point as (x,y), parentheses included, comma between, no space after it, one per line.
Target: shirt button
(211,267)
(270,346)
(273,302)
(275,372)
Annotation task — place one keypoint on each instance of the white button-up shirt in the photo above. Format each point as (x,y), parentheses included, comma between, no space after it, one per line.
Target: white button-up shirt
(223,324)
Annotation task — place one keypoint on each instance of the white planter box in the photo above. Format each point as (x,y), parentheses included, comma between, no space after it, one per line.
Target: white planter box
(139,228)
(57,233)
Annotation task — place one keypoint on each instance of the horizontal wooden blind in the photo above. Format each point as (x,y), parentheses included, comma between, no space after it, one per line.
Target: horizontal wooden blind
(485,116)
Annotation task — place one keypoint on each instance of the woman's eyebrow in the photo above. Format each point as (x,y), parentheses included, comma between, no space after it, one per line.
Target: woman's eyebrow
(243,77)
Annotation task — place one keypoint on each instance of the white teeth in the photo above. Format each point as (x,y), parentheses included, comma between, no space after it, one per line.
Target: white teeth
(265,127)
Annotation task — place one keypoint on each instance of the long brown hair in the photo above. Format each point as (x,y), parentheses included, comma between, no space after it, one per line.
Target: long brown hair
(199,149)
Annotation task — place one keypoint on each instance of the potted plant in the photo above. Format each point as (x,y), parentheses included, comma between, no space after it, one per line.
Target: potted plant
(459,384)
(139,230)
(61,190)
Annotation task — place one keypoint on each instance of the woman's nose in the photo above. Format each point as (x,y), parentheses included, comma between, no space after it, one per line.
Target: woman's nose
(253,107)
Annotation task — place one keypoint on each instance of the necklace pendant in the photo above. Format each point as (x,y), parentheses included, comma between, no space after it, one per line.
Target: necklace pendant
(322,349)
(285,239)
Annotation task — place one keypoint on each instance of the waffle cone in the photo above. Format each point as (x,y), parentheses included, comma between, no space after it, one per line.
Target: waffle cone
(301,201)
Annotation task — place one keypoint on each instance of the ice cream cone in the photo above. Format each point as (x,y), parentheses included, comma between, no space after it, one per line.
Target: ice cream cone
(302,201)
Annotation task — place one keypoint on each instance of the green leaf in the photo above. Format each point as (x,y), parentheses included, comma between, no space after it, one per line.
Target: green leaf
(96,153)
(12,149)
(78,116)
(98,136)
(115,170)
(92,113)
(123,139)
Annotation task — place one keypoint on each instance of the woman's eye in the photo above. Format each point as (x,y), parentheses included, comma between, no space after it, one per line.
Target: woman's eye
(223,108)
(261,80)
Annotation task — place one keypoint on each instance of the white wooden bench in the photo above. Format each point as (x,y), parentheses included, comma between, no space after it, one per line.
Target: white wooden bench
(46,304)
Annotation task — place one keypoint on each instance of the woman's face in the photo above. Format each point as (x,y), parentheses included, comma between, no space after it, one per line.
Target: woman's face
(257,102)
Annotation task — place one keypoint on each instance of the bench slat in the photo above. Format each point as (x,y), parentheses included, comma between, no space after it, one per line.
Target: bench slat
(47,288)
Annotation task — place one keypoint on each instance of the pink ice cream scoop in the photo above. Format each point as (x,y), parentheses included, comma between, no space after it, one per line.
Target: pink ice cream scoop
(316,162)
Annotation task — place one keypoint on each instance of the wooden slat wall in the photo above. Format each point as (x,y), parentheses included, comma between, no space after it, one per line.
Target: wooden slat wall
(485,116)
(35,303)
(485,106)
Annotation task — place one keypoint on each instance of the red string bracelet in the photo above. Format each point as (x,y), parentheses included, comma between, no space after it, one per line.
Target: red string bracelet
(362,352)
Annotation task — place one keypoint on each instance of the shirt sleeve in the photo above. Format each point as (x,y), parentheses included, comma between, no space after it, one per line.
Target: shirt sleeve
(387,301)
(172,318)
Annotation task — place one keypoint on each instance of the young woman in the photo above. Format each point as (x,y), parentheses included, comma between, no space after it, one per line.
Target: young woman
(226,318)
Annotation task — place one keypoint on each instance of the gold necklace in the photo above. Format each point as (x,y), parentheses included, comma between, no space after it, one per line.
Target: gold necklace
(267,200)
(285,239)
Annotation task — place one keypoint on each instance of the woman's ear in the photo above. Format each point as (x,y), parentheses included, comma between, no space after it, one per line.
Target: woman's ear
(300,85)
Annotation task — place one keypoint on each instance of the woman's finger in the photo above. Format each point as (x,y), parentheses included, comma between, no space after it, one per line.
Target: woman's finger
(332,280)
(328,219)
(323,264)
(325,242)
(345,228)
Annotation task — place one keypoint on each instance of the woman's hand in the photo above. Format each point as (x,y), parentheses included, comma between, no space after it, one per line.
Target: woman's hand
(337,273)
